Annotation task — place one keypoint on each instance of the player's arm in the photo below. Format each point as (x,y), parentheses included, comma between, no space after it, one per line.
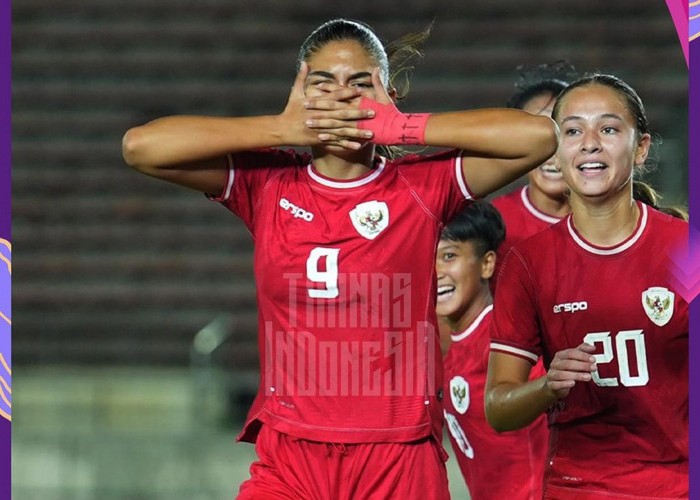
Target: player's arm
(500,145)
(191,150)
(512,401)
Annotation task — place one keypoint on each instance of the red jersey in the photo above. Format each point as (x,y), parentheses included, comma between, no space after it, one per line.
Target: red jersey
(522,220)
(625,432)
(346,293)
(495,466)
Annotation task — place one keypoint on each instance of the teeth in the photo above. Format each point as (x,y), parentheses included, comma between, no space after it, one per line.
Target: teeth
(591,166)
(445,289)
(550,169)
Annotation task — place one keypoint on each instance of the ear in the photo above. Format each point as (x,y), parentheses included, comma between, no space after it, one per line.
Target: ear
(392,94)
(488,265)
(642,151)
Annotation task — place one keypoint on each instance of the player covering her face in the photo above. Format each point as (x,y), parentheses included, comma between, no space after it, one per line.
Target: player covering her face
(335,232)
(191,150)
(592,295)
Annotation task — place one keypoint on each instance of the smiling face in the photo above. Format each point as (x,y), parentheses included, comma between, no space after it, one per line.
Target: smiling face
(462,277)
(340,64)
(546,178)
(599,142)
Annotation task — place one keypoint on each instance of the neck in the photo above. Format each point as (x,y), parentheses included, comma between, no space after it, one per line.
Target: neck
(555,207)
(608,222)
(463,321)
(347,165)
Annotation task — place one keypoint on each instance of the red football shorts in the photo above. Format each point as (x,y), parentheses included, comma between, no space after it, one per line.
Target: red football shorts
(291,468)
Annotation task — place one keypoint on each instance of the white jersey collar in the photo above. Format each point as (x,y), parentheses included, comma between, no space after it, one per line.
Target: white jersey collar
(620,247)
(352,183)
(475,324)
(534,211)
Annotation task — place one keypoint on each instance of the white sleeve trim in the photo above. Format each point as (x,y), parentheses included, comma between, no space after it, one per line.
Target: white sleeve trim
(459,173)
(495,346)
(231,175)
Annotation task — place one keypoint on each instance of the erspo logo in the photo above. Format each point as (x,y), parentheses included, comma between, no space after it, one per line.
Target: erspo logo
(297,212)
(571,307)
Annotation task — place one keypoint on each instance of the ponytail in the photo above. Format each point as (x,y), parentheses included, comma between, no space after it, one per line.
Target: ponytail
(641,191)
(401,53)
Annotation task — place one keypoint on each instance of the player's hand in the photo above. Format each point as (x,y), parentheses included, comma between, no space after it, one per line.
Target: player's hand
(298,123)
(295,115)
(568,367)
(341,107)
(381,94)
(335,114)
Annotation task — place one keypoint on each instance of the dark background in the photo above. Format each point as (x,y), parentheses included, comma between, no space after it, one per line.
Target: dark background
(115,268)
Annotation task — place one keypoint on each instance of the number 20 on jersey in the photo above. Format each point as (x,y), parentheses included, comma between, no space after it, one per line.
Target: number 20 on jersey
(636,338)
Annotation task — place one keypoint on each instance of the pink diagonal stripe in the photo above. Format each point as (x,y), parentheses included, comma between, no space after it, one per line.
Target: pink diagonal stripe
(683,265)
(679,13)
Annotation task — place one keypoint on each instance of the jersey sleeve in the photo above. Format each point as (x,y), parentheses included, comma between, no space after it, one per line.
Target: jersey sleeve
(250,172)
(515,328)
(437,180)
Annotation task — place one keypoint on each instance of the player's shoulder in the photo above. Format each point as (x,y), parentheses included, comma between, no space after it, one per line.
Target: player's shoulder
(664,230)
(507,200)
(666,221)
(544,240)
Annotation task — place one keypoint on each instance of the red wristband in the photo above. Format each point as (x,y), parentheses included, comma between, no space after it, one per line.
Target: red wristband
(391,126)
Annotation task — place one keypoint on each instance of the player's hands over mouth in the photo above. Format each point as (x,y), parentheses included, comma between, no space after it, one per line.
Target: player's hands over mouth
(568,367)
(329,118)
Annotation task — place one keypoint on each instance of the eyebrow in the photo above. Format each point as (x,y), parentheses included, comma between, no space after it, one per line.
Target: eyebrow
(604,115)
(326,74)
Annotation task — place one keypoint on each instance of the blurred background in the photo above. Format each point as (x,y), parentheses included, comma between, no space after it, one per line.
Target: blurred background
(134,343)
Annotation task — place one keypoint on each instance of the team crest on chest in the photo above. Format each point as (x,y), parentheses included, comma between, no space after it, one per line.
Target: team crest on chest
(658,304)
(370,218)
(459,392)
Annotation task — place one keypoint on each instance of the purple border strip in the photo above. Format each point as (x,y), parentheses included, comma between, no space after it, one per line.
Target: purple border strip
(694,207)
(694,24)
(5,211)
(5,110)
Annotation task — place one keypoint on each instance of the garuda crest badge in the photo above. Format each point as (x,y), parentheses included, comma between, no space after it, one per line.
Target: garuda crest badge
(658,304)
(370,218)
(459,392)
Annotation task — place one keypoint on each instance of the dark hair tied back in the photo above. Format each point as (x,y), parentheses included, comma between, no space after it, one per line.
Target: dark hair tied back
(641,191)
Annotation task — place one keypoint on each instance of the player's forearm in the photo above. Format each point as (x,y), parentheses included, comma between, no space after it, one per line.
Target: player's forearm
(495,133)
(510,406)
(182,139)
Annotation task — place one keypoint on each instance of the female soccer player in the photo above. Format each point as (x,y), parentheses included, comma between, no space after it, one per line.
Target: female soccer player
(543,201)
(495,466)
(591,294)
(345,242)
